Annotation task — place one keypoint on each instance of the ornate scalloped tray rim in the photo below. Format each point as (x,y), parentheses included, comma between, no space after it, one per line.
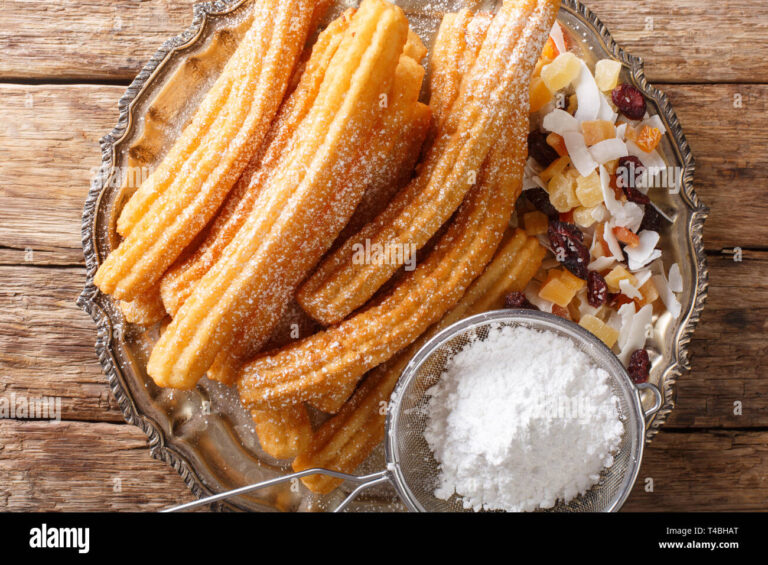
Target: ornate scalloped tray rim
(91,298)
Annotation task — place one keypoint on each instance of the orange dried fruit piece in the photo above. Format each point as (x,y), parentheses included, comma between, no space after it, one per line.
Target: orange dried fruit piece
(550,51)
(599,329)
(650,294)
(626,236)
(556,142)
(560,287)
(618,274)
(648,138)
(596,131)
(557,167)
(540,94)
(535,223)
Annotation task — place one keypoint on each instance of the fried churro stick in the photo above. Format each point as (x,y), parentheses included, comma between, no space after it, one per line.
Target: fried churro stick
(343,442)
(301,209)
(402,110)
(285,433)
(178,214)
(179,282)
(342,283)
(321,368)
(146,310)
(189,142)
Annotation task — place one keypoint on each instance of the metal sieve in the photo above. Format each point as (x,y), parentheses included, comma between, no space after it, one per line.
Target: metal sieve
(411,467)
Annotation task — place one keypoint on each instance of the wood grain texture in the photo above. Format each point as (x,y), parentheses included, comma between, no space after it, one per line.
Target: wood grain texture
(90,40)
(716,471)
(49,152)
(79,467)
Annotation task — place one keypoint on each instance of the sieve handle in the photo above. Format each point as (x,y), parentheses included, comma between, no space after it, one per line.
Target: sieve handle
(364,481)
(657,399)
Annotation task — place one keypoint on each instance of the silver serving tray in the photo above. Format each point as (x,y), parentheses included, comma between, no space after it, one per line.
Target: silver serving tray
(204,434)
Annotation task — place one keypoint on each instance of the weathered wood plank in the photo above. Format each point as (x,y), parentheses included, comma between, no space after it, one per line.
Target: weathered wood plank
(79,467)
(49,152)
(88,40)
(715,471)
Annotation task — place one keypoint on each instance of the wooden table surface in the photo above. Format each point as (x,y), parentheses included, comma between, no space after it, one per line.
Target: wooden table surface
(64,65)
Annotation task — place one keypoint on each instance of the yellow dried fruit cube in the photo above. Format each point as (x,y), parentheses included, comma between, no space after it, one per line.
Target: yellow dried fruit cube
(599,329)
(607,74)
(540,94)
(596,131)
(617,275)
(560,287)
(583,217)
(557,167)
(589,190)
(561,72)
(535,223)
(562,193)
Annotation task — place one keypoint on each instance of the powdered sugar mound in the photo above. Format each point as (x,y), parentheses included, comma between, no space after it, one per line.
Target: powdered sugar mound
(521,420)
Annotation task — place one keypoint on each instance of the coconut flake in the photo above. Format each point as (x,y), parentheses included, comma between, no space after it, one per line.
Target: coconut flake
(601,263)
(675,278)
(651,161)
(608,150)
(644,252)
(560,122)
(667,296)
(634,330)
(588,95)
(557,36)
(606,111)
(621,131)
(578,152)
(629,290)
(613,243)
(626,215)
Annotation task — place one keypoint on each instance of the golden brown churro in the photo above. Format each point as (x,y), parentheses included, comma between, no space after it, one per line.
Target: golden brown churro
(344,441)
(322,367)
(146,310)
(197,191)
(285,433)
(402,110)
(343,283)
(300,211)
(177,284)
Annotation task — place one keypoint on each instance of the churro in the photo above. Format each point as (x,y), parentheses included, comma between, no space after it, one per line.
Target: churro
(342,283)
(300,211)
(180,280)
(344,441)
(145,310)
(322,367)
(403,109)
(285,433)
(196,192)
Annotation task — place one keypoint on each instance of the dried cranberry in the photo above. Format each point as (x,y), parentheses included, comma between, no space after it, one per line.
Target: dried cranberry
(567,242)
(630,101)
(639,366)
(597,289)
(651,219)
(540,150)
(540,199)
(628,175)
(518,300)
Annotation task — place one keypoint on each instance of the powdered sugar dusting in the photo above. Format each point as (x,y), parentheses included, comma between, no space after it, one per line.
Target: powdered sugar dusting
(520,421)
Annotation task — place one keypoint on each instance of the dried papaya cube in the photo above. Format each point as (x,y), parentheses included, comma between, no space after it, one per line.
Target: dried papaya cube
(599,329)
(535,223)
(596,131)
(648,138)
